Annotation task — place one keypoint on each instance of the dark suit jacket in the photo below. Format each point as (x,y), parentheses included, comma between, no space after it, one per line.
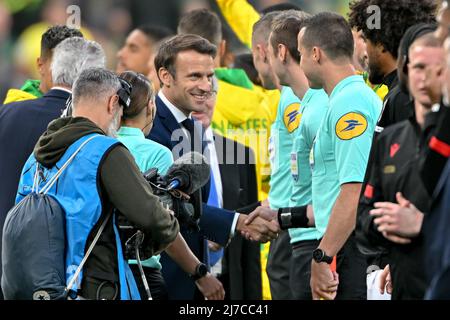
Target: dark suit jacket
(241,266)
(21,124)
(437,240)
(215,224)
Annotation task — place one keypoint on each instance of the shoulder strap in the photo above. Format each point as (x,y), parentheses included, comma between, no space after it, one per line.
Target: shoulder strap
(88,252)
(48,186)
(53,180)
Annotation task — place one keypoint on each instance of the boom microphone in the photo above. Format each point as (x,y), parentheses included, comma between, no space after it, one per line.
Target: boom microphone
(188,173)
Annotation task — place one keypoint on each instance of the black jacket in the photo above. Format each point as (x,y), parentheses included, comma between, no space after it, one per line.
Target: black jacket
(395,168)
(437,240)
(438,151)
(396,107)
(241,267)
(396,103)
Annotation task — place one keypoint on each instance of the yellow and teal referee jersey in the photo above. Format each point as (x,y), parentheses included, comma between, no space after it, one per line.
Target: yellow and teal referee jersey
(280,146)
(342,145)
(313,109)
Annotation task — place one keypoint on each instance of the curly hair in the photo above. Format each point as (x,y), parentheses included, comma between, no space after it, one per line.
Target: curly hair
(54,36)
(396,17)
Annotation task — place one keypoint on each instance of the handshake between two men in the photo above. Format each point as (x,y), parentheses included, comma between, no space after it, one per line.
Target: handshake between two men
(259,226)
(263,224)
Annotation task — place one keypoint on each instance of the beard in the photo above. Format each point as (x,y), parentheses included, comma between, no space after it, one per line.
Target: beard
(376,76)
(114,125)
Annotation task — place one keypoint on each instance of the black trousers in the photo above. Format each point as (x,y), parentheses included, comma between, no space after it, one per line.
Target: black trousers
(351,266)
(300,273)
(278,266)
(155,281)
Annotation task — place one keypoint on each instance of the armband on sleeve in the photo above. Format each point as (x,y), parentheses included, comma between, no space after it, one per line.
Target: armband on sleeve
(292,217)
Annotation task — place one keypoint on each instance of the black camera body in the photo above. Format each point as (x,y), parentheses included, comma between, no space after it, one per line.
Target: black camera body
(186,208)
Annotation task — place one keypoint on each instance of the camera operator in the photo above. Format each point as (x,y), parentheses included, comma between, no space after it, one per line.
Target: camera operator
(137,121)
(101,178)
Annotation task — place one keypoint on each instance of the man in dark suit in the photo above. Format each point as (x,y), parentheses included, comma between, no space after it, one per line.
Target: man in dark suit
(239,266)
(22,123)
(185,67)
(437,240)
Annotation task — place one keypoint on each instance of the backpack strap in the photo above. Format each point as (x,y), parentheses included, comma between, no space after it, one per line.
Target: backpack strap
(53,180)
(47,187)
(36,179)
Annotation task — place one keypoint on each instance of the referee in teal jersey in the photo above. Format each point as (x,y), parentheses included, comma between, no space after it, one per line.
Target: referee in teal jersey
(339,154)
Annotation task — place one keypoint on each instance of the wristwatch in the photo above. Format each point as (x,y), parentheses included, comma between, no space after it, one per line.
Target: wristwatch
(320,256)
(200,271)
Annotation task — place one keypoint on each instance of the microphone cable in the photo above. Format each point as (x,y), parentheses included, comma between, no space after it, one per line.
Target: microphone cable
(138,242)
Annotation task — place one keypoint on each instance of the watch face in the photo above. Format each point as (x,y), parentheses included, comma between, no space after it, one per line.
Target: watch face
(202,270)
(318,255)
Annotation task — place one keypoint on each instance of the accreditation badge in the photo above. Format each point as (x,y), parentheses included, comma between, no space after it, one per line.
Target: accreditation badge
(272,149)
(311,155)
(294,166)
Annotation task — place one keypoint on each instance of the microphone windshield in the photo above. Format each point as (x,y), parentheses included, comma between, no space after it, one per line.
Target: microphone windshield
(192,165)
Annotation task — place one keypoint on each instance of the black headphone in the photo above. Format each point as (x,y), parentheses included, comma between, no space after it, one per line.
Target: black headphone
(124,93)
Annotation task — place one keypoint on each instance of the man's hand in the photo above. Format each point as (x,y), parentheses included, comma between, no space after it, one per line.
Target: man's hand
(395,238)
(385,281)
(259,230)
(266,203)
(264,212)
(403,220)
(324,282)
(210,287)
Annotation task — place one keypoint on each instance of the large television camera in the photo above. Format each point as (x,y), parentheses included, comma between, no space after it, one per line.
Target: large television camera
(187,208)
(180,191)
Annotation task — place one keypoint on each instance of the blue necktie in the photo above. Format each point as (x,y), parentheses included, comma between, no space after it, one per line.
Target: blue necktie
(213,200)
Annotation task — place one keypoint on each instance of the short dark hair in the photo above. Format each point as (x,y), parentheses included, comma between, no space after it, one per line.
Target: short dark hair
(396,17)
(285,29)
(54,36)
(155,33)
(413,33)
(244,61)
(202,22)
(140,95)
(330,32)
(169,50)
(280,7)
(263,27)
